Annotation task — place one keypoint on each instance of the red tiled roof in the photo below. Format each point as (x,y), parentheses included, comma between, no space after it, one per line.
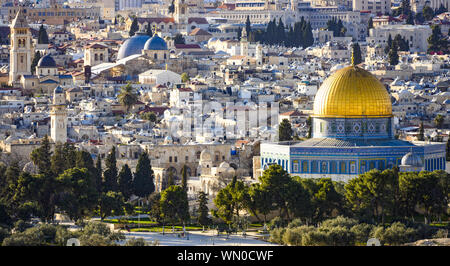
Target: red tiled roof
(197,20)
(227,6)
(292,113)
(158,110)
(95,46)
(155,20)
(187,46)
(198,32)
(185,89)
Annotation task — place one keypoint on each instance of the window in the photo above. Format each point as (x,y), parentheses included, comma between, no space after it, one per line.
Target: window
(343,168)
(295,166)
(353,167)
(305,167)
(170,159)
(324,168)
(176,159)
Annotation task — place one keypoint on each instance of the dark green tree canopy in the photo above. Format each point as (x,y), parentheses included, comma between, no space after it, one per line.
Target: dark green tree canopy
(143,184)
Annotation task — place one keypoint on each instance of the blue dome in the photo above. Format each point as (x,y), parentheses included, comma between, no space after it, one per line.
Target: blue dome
(155,43)
(46,61)
(132,46)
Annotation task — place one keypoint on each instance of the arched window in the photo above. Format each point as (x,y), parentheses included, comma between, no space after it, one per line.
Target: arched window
(314,167)
(155,56)
(324,168)
(96,57)
(101,57)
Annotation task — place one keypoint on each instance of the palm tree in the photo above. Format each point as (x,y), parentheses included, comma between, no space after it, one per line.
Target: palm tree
(128,96)
(439,120)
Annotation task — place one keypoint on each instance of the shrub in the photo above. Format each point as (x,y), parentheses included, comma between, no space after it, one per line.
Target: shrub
(295,223)
(136,242)
(339,236)
(362,232)
(396,234)
(98,234)
(4,233)
(340,221)
(441,233)
(276,222)
(276,235)
(293,236)
(315,238)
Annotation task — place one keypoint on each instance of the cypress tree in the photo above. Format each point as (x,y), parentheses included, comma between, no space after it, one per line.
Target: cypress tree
(421,135)
(58,160)
(447,150)
(70,155)
(36,58)
(149,30)
(308,38)
(357,57)
(170,179)
(437,42)
(248,27)
(143,177)
(43,37)
(184,177)
(281,35)
(134,27)
(389,44)
(98,174)
(41,157)
(285,130)
(202,211)
(110,174)
(239,33)
(393,55)
(370,24)
(84,160)
(125,181)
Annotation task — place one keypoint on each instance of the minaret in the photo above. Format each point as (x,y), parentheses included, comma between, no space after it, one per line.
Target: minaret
(244,42)
(21,48)
(58,116)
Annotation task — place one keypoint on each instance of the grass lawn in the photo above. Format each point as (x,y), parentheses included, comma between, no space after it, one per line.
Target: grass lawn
(145,221)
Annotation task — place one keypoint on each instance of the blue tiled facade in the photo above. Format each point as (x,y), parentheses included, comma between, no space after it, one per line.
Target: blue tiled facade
(344,163)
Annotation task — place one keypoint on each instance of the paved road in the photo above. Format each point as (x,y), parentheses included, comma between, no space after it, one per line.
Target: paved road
(198,239)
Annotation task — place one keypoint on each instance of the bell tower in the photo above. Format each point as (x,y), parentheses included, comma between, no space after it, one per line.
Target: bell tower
(21,48)
(181,11)
(244,42)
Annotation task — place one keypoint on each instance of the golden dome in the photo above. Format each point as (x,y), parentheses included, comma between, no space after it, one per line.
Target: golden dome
(352,92)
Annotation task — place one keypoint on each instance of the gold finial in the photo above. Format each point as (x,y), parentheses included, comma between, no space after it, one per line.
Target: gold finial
(166,66)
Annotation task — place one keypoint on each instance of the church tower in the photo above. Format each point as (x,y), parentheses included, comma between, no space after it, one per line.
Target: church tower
(181,11)
(244,42)
(58,116)
(21,48)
